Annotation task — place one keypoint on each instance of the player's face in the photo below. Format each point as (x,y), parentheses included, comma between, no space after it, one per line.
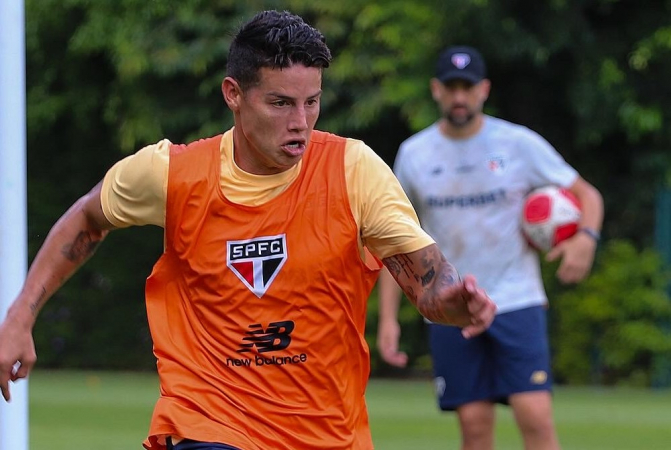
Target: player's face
(275,118)
(459,100)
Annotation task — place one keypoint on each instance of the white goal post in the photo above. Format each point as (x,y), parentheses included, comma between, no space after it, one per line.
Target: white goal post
(13,220)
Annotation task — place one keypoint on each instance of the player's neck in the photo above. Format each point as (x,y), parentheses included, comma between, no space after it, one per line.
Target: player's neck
(462,132)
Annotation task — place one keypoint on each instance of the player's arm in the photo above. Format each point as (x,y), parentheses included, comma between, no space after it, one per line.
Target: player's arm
(434,287)
(388,328)
(70,242)
(591,202)
(390,229)
(132,193)
(577,253)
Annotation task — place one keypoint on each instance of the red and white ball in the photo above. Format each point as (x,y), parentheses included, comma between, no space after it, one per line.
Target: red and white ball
(550,215)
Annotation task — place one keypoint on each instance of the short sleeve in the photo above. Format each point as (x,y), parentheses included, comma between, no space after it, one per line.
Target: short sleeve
(387,221)
(134,189)
(546,165)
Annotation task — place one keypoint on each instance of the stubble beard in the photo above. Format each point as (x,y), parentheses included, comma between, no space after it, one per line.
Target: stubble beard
(459,121)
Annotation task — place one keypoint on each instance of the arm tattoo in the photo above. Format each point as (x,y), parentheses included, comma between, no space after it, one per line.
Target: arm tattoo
(402,264)
(449,276)
(426,279)
(84,245)
(399,263)
(35,306)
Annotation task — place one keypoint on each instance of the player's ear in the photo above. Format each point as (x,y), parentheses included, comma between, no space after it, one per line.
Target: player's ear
(437,88)
(232,93)
(485,88)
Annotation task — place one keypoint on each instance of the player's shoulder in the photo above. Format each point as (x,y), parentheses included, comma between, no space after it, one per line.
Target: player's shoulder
(196,145)
(152,154)
(357,151)
(420,146)
(502,126)
(421,139)
(506,130)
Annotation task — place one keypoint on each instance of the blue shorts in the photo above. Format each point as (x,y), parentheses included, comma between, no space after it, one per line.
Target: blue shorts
(512,356)
(188,444)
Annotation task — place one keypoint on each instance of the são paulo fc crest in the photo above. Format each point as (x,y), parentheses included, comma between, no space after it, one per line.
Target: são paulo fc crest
(257,261)
(461,60)
(497,163)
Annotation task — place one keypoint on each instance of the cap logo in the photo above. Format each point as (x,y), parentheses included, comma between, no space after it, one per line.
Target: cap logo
(461,60)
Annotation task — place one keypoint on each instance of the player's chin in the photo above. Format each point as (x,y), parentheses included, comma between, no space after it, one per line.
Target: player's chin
(459,120)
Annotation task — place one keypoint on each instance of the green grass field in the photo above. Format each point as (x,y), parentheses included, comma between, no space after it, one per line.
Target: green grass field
(111,411)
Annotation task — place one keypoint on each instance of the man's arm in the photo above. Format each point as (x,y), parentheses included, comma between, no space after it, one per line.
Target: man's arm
(434,287)
(388,328)
(577,253)
(71,241)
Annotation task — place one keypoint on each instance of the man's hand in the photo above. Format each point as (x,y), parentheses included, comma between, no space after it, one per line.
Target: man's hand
(388,336)
(433,285)
(480,308)
(577,256)
(16,346)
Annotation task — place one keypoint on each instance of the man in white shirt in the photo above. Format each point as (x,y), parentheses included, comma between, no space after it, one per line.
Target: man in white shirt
(467,176)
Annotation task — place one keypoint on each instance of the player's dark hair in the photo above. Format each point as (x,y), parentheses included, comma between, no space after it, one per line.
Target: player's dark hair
(277,40)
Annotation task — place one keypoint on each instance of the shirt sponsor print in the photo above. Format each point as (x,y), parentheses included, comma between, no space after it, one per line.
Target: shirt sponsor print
(261,340)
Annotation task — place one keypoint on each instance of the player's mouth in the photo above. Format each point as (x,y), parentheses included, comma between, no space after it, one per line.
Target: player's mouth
(294,148)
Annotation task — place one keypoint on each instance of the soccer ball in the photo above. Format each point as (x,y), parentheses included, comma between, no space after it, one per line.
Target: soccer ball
(550,215)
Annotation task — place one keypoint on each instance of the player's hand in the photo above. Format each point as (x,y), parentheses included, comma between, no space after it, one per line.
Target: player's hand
(481,308)
(577,257)
(16,346)
(388,336)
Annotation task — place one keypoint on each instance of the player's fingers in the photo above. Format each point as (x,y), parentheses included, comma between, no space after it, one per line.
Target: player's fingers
(477,301)
(4,387)
(569,277)
(553,254)
(391,355)
(470,284)
(387,345)
(473,330)
(482,318)
(23,370)
(397,359)
(571,273)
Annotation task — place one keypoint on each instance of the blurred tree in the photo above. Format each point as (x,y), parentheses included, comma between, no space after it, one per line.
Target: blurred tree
(107,77)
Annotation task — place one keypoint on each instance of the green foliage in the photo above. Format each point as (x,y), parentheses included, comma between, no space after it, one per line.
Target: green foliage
(611,328)
(106,77)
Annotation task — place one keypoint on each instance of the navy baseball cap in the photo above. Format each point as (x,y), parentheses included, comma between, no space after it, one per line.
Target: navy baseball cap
(461,63)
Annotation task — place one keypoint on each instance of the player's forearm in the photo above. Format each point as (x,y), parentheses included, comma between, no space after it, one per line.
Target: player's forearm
(71,241)
(592,207)
(389,295)
(430,283)
(591,203)
(440,302)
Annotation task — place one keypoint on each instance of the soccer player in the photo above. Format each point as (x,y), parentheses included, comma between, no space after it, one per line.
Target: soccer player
(467,176)
(274,234)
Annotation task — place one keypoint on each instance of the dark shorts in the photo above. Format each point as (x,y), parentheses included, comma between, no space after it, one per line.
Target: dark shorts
(512,356)
(188,444)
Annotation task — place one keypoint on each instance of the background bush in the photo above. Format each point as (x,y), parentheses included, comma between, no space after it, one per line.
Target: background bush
(106,77)
(613,328)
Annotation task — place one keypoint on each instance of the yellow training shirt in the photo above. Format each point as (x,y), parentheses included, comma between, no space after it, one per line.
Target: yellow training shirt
(134,193)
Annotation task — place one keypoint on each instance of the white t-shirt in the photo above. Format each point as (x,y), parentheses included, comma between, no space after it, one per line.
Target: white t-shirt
(469,195)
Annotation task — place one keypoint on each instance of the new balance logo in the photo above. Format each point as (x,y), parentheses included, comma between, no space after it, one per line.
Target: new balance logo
(256,262)
(276,337)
